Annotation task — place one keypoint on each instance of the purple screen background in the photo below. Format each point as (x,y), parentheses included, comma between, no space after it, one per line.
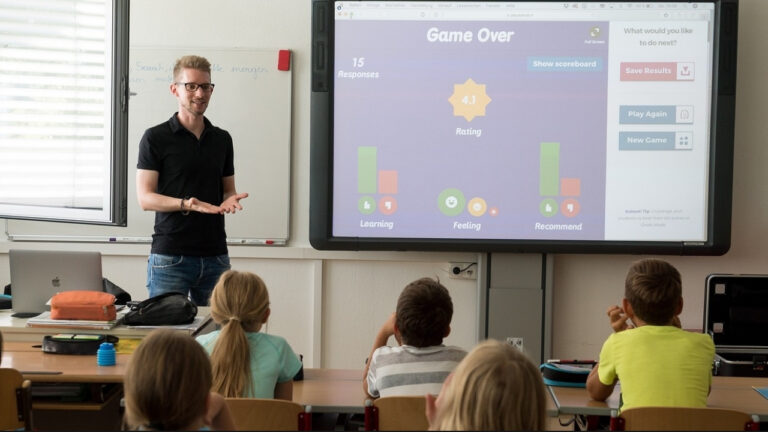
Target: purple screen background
(406,114)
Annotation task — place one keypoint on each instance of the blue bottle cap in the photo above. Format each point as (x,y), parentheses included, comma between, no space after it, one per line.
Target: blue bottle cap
(105,356)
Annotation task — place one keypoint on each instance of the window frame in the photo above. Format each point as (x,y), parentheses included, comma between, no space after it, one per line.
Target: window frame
(114,210)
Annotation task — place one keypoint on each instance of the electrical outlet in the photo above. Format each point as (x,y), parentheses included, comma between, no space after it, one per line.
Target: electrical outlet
(462,270)
(516,342)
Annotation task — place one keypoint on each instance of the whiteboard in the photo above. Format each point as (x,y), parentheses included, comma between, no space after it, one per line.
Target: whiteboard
(252,101)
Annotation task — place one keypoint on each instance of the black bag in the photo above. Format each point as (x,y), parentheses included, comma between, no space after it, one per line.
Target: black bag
(166,309)
(85,344)
(121,296)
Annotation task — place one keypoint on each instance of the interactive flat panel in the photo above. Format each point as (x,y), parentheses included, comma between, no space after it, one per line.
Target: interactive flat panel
(533,126)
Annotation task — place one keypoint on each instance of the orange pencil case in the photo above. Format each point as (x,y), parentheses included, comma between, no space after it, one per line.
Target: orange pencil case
(83,305)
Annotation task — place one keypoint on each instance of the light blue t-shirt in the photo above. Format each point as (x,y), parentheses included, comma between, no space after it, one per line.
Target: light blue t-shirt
(272,361)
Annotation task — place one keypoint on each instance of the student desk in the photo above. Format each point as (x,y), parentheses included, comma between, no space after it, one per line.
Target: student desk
(325,390)
(331,391)
(727,392)
(70,392)
(37,366)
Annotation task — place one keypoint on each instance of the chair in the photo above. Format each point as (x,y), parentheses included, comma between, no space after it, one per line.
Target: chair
(396,413)
(683,419)
(268,414)
(15,402)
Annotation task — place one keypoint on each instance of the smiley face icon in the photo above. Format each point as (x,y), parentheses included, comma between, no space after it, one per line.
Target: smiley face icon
(477,206)
(451,202)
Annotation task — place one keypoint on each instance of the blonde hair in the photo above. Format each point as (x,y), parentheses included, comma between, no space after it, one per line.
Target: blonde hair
(167,382)
(191,62)
(239,303)
(495,387)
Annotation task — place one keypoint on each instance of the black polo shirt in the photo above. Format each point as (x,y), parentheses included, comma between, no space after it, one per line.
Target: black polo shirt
(188,168)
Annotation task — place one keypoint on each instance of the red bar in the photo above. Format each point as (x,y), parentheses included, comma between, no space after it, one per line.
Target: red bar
(388,182)
(570,186)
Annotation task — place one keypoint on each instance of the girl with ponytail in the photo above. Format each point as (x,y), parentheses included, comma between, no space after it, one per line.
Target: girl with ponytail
(246,361)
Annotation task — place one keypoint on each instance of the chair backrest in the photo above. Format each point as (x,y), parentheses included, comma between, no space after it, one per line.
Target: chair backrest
(397,413)
(15,405)
(268,414)
(686,419)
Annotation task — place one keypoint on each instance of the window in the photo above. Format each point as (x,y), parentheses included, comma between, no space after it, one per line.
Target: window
(63,110)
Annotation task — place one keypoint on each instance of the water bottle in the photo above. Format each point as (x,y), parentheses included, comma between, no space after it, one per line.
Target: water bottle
(105,356)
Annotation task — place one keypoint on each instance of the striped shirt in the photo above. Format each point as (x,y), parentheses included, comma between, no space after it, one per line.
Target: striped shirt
(410,371)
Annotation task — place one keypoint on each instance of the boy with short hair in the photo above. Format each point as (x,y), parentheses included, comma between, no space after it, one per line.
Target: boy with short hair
(421,363)
(658,363)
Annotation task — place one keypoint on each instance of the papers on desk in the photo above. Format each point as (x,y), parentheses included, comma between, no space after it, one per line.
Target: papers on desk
(198,322)
(44,320)
(762,390)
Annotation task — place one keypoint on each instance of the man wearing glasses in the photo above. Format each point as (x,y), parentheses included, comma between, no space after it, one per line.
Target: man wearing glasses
(186,175)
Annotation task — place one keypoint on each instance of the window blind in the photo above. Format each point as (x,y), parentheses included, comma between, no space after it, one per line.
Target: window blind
(59,105)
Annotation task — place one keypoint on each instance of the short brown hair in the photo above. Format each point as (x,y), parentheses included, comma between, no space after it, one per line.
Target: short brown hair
(167,382)
(653,287)
(424,312)
(191,62)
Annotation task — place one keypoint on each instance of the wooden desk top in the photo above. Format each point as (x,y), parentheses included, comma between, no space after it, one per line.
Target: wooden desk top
(325,394)
(727,392)
(38,366)
(325,390)
(334,375)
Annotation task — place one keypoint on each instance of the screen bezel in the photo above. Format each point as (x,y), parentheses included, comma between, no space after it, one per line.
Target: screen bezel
(720,160)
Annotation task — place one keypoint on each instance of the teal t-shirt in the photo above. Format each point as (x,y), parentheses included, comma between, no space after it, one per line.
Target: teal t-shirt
(272,361)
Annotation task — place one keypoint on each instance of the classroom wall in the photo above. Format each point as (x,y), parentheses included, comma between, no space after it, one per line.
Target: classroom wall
(329,305)
(585,285)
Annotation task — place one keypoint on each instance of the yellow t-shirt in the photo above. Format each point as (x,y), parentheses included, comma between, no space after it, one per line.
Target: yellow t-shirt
(658,366)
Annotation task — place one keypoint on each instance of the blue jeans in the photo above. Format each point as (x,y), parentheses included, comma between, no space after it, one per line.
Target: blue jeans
(190,275)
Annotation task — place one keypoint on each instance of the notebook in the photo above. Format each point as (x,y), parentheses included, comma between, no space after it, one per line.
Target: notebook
(37,275)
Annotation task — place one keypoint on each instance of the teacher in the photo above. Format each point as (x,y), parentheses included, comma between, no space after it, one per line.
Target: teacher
(186,175)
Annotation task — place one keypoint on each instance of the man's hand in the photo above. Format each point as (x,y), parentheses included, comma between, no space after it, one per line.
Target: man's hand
(195,205)
(232,203)
(619,319)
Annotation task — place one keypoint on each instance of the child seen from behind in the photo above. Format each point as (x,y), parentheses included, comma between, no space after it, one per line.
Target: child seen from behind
(247,362)
(495,387)
(658,363)
(420,364)
(168,386)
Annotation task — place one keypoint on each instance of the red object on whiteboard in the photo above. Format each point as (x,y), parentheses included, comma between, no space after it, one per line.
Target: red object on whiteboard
(284,60)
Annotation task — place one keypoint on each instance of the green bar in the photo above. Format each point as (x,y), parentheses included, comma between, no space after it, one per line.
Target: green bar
(549,169)
(366,170)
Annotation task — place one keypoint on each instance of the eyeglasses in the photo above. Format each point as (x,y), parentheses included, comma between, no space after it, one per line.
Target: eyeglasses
(192,87)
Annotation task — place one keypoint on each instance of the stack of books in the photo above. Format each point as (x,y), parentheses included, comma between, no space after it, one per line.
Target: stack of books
(44,320)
